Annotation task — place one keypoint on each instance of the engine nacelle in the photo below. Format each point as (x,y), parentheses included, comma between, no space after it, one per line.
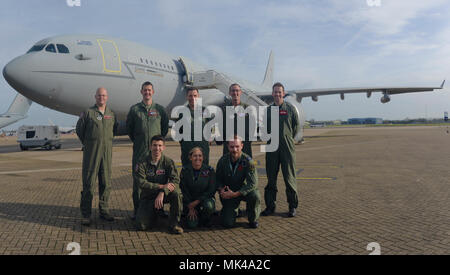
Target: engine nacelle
(301,116)
(385,99)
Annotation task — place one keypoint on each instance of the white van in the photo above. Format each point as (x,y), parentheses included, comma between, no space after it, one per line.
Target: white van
(47,137)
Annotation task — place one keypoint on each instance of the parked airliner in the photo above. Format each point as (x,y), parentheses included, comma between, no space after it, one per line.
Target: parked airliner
(63,72)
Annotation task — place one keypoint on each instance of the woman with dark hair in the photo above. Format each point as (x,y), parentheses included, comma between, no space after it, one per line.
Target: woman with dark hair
(198,185)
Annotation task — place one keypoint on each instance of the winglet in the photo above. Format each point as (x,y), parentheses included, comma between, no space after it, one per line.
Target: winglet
(442,85)
(268,77)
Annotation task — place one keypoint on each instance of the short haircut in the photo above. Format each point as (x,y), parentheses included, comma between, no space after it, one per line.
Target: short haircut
(234,84)
(158,138)
(278,84)
(146,83)
(191,89)
(236,137)
(195,149)
(99,89)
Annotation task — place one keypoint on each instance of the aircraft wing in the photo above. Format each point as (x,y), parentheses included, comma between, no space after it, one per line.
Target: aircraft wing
(314,93)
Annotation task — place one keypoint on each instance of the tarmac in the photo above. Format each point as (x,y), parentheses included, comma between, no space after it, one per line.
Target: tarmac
(357,186)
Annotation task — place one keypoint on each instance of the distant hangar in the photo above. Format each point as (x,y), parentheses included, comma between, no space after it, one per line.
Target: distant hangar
(367,120)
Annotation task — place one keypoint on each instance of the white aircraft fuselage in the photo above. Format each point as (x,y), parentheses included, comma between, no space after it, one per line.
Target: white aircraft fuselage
(63,73)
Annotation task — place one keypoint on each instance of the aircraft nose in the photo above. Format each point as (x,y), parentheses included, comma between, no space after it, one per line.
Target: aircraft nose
(12,71)
(16,73)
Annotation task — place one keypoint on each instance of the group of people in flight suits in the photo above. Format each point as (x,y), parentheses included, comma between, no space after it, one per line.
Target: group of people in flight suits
(192,192)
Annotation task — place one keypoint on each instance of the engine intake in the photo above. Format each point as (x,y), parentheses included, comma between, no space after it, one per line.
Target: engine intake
(385,99)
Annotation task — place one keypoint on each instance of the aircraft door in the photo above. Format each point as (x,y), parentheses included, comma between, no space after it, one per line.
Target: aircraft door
(110,55)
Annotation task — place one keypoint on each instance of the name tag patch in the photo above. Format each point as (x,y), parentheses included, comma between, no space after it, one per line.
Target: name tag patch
(152,113)
(108,117)
(283,112)
(204,174)
(160,172)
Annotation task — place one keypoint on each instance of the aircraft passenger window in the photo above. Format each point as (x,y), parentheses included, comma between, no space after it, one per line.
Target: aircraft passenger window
(50,48)
(62,48)
(142,61)
(164,66)
(146,61)
(172,68)
(151,62)
(36,48)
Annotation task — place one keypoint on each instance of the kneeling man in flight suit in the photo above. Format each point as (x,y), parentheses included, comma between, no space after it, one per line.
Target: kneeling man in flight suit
(158,180)
(237,180)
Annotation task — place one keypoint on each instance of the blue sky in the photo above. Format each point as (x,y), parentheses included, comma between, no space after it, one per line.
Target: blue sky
(317,44)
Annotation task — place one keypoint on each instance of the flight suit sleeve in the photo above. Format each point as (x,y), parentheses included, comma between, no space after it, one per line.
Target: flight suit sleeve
(267,117)
(130,124)
(211,186)
(251,179)
(295,122)
(187,198)
(164,122)
(141,178)
(172,176)
(219,175)
(116,126)
(81,126)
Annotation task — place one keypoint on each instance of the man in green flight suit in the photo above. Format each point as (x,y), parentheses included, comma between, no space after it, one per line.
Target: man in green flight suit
(158,180)
(284,156)
(237,180)
(192,96)
(95,129)
(145,120)
(235,93)
(198,185)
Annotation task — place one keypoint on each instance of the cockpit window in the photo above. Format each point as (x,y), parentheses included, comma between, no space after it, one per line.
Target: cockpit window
(62,48)
(36,48)
(50,48)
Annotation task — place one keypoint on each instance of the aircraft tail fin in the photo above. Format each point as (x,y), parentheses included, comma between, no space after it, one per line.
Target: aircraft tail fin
(17,111)
(268,77)
(19,106)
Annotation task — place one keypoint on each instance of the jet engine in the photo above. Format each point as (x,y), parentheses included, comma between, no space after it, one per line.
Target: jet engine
(385,98)
(301,116)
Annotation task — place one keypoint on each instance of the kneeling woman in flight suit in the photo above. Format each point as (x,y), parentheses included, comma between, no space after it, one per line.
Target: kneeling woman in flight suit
(198,185)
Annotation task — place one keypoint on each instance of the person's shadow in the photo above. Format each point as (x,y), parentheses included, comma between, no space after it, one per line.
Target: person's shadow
(66,217)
